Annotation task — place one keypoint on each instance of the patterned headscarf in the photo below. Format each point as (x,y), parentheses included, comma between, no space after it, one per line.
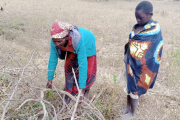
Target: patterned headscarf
(60,30)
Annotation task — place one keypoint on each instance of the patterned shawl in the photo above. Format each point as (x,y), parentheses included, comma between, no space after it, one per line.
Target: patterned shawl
(142,58)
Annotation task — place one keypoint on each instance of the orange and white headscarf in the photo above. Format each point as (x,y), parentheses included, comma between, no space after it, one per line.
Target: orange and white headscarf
(60,30)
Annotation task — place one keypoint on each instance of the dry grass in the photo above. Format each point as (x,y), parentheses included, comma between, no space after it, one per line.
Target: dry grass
(25,26)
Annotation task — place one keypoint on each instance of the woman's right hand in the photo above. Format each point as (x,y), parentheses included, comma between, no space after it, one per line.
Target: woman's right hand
(49,84)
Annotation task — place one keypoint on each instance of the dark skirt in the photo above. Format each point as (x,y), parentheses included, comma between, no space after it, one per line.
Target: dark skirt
(72,62)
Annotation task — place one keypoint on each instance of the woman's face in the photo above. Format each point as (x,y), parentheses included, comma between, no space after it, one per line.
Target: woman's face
(142,18)
(60,42)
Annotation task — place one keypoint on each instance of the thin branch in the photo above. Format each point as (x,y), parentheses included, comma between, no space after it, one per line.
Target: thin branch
(26,102)
(75,79)
(99,94)
(79,94)
(53,108)
(57,90)
(14,60)
(45,111)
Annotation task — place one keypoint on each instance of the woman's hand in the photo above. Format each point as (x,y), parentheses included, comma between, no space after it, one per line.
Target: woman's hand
(49,84)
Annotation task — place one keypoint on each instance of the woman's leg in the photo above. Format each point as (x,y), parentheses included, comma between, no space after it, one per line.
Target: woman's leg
(71,62)
(86,93)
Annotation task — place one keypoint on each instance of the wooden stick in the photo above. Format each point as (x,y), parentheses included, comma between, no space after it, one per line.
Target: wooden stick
(75,79)
(79,94)
(45,117)
(26,102)
(53,108)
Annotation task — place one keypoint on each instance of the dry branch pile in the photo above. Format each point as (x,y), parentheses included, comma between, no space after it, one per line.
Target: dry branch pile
(23,99)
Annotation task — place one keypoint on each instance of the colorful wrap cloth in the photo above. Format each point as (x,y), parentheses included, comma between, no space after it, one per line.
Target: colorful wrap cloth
(142,58)
(72,62)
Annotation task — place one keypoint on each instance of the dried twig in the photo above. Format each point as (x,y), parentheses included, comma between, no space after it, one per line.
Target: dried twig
(45,117)
(66,111)
(102,90)
(92,108)
(42,102)
(26,102)
(57,90)
(79,94)
(55,116)
(14,60)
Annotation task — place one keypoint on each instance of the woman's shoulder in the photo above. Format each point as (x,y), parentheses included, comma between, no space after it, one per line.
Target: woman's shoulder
(82,29)
(85,32)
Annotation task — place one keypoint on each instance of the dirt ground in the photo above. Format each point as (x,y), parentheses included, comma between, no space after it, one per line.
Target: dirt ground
(25,35)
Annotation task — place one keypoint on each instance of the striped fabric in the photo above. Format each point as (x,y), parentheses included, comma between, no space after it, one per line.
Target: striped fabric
(72,62)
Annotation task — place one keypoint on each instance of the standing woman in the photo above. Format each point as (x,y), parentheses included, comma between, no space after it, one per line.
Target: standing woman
(142,56)
(77,47)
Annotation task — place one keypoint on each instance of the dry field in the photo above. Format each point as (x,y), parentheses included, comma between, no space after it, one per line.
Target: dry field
(24,52)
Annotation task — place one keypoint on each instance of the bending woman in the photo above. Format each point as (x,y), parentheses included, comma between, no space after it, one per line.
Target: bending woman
(77,47)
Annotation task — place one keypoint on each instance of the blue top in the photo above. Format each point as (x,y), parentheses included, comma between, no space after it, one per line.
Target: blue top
(85,48)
